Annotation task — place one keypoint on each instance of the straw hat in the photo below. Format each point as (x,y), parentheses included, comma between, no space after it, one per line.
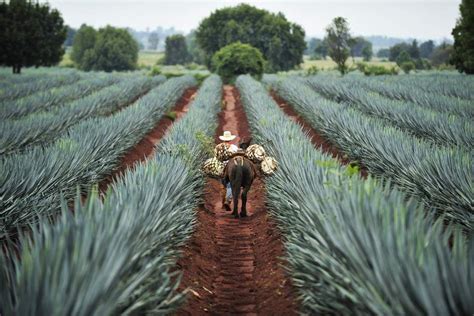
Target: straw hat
(227,136)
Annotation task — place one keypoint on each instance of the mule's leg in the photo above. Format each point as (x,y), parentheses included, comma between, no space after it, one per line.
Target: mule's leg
(243,212)
(235,198)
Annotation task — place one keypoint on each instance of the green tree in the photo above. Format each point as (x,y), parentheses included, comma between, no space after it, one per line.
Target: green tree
(311,46)
(407,66)
(383,53)
(114,49)
(321,49)
(463,33)
(357,45)
(71,32)
(404,57)
(196,54)
(414,50)
(338,38)
(441,55)
(367,52)
(153,41)
(84,40)
(396,49)
(282,43)
(32,34)
(236,59)
(426,49)
(176,50)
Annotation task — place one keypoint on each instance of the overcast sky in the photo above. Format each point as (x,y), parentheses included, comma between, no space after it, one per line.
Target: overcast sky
(404,18)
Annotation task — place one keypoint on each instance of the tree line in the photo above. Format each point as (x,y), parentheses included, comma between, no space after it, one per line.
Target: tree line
(280,43)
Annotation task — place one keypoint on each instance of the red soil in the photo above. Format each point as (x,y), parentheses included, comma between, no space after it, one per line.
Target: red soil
(317,139)
(145,148)
(233,266)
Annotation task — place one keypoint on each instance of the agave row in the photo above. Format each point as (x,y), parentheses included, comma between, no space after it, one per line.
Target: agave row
(410,93)
(115,257)
(439,176)
(454,85)
(419,121)
(7,79)
(46,127)
(25,89)
(32,182)
(355,246)
(44,100)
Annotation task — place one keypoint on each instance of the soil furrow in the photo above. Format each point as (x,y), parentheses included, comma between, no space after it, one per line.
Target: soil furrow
(318,140)
(145,147)
(233,266)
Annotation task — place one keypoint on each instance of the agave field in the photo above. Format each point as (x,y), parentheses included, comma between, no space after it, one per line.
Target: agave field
(357,246)
(395,242)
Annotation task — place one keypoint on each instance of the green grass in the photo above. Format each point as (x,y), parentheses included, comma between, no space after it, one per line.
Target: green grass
(148,58)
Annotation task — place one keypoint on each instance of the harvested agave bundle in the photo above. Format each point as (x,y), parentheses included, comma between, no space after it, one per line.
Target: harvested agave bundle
(213,167)
(256,153)
(268,166)
(222,152)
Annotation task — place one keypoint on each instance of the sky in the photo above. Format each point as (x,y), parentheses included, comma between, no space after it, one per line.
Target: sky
(422,19)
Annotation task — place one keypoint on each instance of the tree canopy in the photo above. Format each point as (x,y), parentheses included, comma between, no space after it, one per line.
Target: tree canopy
(176,50)
(338,39)
(237,59)
(281,42)
(463,33)
(36,43)
(84,40)
(107,49)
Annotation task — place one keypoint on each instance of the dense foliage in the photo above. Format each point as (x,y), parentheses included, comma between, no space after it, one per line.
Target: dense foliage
(84,40)
(237,59)
(176,50)
(463,33)
(339,40)
(35,43)
(107,49)
(280,41)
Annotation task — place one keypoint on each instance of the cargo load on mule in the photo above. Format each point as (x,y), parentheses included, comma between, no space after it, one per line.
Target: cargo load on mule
(237,168)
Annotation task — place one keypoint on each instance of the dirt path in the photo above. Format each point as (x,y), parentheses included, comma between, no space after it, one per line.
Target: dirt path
(145,148)
(318,140)
(232,266)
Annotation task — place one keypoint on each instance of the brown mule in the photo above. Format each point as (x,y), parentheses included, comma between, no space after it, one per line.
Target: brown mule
(240,172)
